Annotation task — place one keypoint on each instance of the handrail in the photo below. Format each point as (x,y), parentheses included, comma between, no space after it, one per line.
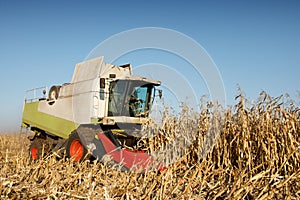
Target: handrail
(33,97)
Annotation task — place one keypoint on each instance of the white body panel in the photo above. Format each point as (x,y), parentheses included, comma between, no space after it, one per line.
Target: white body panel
(80,100)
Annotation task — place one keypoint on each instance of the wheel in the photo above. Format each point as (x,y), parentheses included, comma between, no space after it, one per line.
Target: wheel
(53,92)
(38,148)
(75,148)
(35,150)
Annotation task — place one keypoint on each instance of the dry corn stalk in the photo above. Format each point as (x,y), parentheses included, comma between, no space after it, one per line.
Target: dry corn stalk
(256,156)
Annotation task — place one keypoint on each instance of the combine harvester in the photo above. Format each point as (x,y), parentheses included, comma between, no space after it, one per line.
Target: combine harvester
(100,113)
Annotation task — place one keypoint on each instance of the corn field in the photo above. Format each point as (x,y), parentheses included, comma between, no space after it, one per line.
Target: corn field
(256,155)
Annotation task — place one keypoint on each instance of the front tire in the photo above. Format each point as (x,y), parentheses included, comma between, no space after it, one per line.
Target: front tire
(75,149)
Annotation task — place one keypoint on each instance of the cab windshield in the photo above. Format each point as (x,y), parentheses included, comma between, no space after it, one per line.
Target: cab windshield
(129,98)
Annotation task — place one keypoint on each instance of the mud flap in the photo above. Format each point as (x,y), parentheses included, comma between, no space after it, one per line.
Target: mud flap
(88,137)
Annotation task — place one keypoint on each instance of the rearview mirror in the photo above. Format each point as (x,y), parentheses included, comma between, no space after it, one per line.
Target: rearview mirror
(160,93)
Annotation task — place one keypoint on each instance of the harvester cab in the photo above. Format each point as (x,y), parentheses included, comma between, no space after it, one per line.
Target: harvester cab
(100,112)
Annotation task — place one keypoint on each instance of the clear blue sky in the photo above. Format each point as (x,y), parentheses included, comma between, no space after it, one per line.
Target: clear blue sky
(254,43)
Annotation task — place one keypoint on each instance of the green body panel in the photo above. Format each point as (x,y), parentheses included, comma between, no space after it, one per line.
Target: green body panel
(51,124)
